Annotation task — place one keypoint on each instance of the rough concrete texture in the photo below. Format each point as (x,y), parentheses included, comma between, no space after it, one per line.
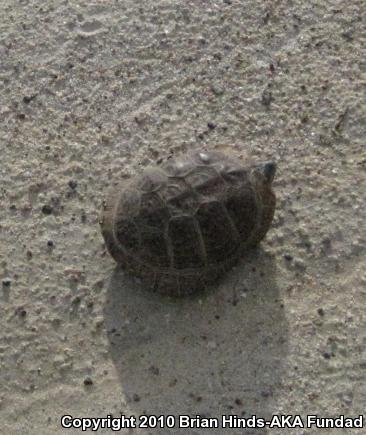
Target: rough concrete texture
(91,92)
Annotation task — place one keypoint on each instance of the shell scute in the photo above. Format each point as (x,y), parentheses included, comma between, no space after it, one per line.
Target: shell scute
(206,181)
(154,249)
(218,233)
(179,196)
(153,212)
(151,180)
(186,246)
(127,234)
(128,202)
(243,210)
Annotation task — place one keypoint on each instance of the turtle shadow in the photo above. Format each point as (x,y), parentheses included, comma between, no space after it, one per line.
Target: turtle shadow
(220,353)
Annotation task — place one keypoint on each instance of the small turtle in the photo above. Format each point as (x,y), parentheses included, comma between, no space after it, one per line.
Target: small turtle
(180,225)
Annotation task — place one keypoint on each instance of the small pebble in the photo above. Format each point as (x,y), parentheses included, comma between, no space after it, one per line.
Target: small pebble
(173,382)
(267,98)
(47,209)
(154,370)
(88,381)
(99,322)
(320,311)
(76,300)
(50,243)
(73,184)
(21,312)
(6,282)
(299,264)
(211,125)
(136,397)
(217,90)
(27,99)
(288,257)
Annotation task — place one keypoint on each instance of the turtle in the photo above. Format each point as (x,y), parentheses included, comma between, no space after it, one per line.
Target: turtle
(180,225)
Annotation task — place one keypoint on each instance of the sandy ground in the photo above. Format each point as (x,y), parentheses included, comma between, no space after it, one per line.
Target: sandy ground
(91,92)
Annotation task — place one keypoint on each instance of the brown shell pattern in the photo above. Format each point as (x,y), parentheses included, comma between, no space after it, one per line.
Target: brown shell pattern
(181,225)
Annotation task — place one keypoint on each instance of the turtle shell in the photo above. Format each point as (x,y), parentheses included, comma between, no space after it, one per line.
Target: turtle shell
(180,225)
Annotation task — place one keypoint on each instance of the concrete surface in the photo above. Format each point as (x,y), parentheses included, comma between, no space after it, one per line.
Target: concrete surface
(91,92)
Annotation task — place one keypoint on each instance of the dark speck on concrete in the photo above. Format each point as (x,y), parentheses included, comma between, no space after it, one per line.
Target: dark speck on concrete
(154,370)
(6,282)
(73,184)
(267,98)
(88,381)
(47,209)
(136,397)
(27,99)
(21,312)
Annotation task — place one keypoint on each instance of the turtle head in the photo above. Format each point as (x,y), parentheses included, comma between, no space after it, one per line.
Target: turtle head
(266,170)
